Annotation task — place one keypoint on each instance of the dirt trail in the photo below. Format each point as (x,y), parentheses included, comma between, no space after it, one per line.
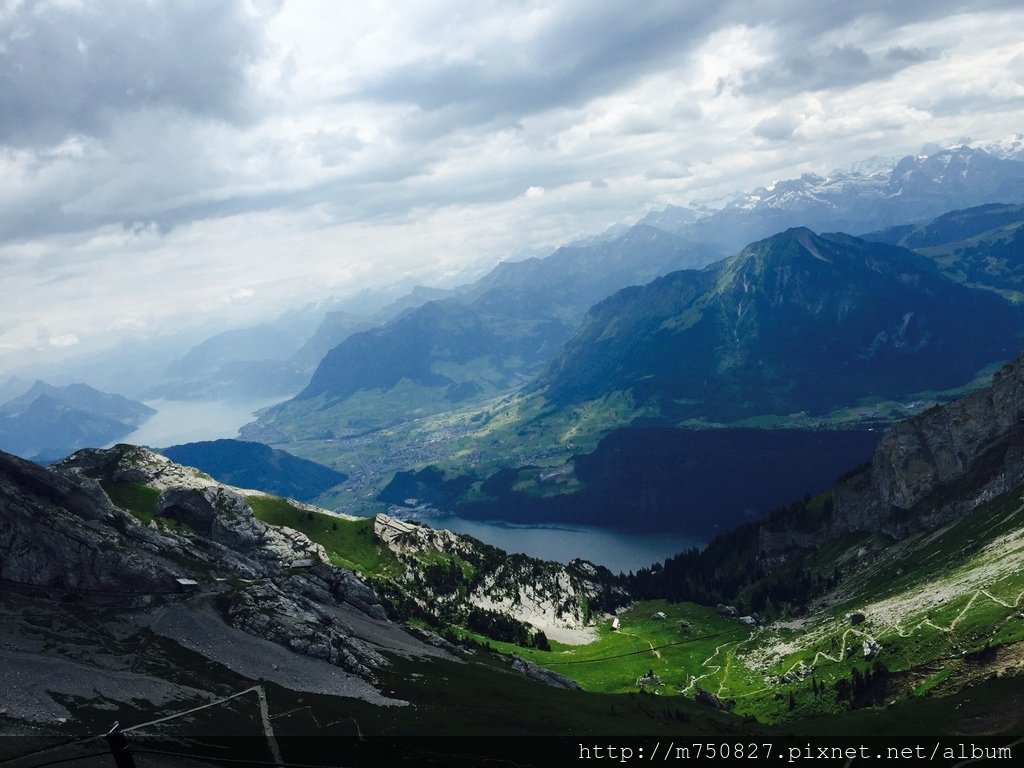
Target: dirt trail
(654,650)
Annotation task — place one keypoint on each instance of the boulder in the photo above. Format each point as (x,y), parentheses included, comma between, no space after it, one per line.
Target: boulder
(214,512)
(871,648)
(709,699)
(542,675)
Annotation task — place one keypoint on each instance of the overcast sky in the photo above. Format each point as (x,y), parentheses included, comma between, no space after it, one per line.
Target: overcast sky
(168,162)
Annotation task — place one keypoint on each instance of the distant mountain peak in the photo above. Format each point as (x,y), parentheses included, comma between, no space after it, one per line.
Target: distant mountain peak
(768,331)
(48,422)
(871,194)
(1009,147)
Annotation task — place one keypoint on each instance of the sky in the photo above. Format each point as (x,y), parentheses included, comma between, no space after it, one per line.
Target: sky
(213,161)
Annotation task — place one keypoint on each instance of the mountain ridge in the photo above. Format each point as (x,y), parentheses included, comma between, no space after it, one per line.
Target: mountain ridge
(491,337)
(255,465)
(866,197)
(756,333)
(47,422)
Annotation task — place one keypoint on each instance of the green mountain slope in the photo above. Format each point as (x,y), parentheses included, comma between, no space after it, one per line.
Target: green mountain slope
(798,330)
(796,322)
(254,465)
(489,339)
(981,247)
(889,611)
(701,482)
(902,583)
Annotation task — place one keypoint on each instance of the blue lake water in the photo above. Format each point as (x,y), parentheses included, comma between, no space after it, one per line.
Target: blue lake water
(612,549)
(189,421)
(184,421)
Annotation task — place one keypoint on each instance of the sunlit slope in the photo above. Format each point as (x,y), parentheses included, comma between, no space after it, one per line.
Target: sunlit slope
(926,616)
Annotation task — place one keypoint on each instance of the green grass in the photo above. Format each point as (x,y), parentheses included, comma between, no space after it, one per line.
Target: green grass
(135,498)
(348,543)
(674,648)
(694,646)
(734,662)
(140,501)
(931,682)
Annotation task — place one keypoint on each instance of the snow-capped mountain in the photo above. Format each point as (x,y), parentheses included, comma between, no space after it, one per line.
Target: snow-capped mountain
(1008,147)
(870,194)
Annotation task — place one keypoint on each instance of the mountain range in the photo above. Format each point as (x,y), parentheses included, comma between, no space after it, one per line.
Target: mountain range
(48,422)
(810,377)
(795,322)
(980,247)
(866,197)
(490,337)
(797,330)
(884,610)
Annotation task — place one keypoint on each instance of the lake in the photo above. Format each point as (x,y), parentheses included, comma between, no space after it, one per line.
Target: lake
(612,549)
(189,421)
(186,421)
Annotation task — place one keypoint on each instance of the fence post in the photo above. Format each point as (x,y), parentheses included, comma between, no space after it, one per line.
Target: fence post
(119,747)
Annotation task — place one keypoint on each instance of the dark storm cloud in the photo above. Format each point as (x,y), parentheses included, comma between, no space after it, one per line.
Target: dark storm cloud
(839,66)
(72,70)
(588,50)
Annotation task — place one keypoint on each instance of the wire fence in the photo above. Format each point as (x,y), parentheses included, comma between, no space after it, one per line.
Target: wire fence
(123,752)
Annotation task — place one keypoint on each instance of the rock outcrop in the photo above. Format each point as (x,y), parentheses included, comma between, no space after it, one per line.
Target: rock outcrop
(59,531)
(295,621)
(974,445)
(218,513)
(928,470)
(62,532)
(541,675)
(549,596)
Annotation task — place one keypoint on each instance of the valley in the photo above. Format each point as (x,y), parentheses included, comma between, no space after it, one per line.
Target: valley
(956,624)
(185,421)
(632,490)
(897,625)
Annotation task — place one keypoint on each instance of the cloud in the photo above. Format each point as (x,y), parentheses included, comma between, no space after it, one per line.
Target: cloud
(909,54)
(838,66)
(64,340)
(668,170)
(71,69)
(240,296)
(575,52)
(128,323)
(777,127)
(187,146)
(687,110)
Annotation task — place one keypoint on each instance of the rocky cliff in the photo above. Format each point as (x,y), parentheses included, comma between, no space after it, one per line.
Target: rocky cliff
(156,549)
(928,470)
(61,531)
(558,600)
(61,535)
